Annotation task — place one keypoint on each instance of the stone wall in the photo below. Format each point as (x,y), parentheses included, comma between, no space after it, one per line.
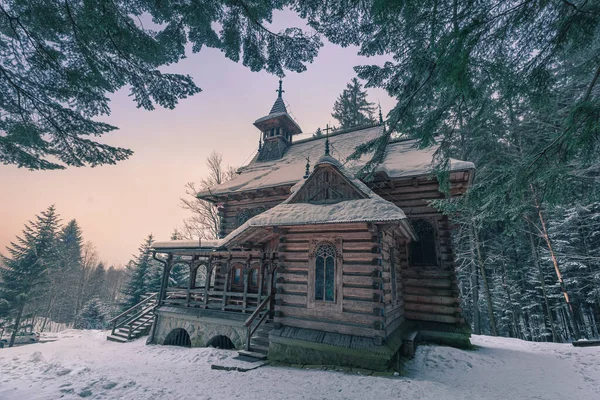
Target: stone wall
(201,330)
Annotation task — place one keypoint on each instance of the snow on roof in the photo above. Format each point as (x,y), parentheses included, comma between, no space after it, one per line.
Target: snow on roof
(371,209)
(403,159)
(291,167)
(187,244)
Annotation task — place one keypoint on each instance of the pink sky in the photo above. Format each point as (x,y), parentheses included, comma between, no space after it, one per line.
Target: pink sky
(118,206)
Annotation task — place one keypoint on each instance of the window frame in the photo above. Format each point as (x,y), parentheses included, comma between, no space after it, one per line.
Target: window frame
(336,304)
(434,246)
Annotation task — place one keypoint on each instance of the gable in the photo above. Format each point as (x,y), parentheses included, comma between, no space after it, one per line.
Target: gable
(326,185)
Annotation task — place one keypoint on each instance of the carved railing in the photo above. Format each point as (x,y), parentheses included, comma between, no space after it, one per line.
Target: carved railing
(250,329)
(140,310)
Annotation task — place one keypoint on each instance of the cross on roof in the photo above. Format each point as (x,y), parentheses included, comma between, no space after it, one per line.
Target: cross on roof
(280,90)
(327,129)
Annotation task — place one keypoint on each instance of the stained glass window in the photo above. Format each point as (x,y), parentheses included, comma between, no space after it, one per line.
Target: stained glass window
(325,273)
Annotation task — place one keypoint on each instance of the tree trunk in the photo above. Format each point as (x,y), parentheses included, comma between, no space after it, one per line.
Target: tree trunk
(474,288)
(488,295)
(536,260)
(563,288)
(16,326)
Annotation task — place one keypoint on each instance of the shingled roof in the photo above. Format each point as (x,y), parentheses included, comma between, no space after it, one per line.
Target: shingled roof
(402,159)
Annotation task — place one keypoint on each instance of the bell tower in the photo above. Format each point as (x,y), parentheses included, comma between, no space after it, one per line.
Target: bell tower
(277,130)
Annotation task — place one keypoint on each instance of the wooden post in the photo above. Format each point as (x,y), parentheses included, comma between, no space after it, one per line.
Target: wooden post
(246,273)
(192,279)
(260,278)
(209,271)
(165,277)
(226,285)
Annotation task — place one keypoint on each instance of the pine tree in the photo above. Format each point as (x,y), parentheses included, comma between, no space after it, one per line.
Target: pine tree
(27,266)
(95,314)
(318,133)
(64,278)
(143,276)
(352,108)
(64,59)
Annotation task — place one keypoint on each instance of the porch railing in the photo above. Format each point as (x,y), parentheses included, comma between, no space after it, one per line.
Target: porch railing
(199,297)
(250,328)
(140,310)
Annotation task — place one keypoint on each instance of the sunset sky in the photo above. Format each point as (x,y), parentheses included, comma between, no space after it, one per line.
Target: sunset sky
(118,206)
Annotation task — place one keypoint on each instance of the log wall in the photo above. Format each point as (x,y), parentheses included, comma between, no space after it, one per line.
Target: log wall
(360,297)
(430,292)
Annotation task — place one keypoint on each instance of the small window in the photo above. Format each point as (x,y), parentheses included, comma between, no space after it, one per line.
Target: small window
(253,280)
(325,273)
(237,282)
(272,131)
(422,251)
(242,216)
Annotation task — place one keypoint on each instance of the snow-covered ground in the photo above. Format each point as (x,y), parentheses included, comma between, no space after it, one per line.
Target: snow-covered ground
(84,364)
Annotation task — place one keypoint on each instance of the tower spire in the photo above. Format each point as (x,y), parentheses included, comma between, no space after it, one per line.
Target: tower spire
(280,90)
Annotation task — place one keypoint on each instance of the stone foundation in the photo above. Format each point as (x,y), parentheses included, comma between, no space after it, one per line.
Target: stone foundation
(202,326)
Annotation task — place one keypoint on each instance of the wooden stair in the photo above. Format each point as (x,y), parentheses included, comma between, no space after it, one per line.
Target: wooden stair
(135,322)
(259,342)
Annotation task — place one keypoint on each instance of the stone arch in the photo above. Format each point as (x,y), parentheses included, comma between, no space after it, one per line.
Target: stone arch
(178,337)
(221,342)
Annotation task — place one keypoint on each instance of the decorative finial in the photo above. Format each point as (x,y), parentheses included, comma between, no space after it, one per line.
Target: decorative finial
(380,115)
(327,141)
(280,90)
(259,144)
(307,172)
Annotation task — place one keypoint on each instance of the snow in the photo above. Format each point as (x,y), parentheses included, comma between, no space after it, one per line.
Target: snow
(370,209)
(84,364)
(402,159)
(187,244)
(291,167)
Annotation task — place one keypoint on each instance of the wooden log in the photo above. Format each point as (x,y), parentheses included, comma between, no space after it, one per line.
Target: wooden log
(330,316)
(449,319)
(296,299)
(427,283)
(359,292)
(442,300)
(428,291)
(431,308)
(328,327)
(359,306)
(358,280)
(293,288)
(346,236)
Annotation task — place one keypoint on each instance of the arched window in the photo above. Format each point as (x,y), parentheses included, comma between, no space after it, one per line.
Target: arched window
(253,280)
(243,215)
(422,251)
(325,273)
(237,278)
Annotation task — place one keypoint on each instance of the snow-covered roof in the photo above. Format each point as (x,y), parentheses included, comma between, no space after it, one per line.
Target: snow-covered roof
(402,159)
(373,208)
(291,167)
(187,244)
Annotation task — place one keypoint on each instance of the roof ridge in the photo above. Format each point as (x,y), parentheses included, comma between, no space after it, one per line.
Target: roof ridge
(338,132)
